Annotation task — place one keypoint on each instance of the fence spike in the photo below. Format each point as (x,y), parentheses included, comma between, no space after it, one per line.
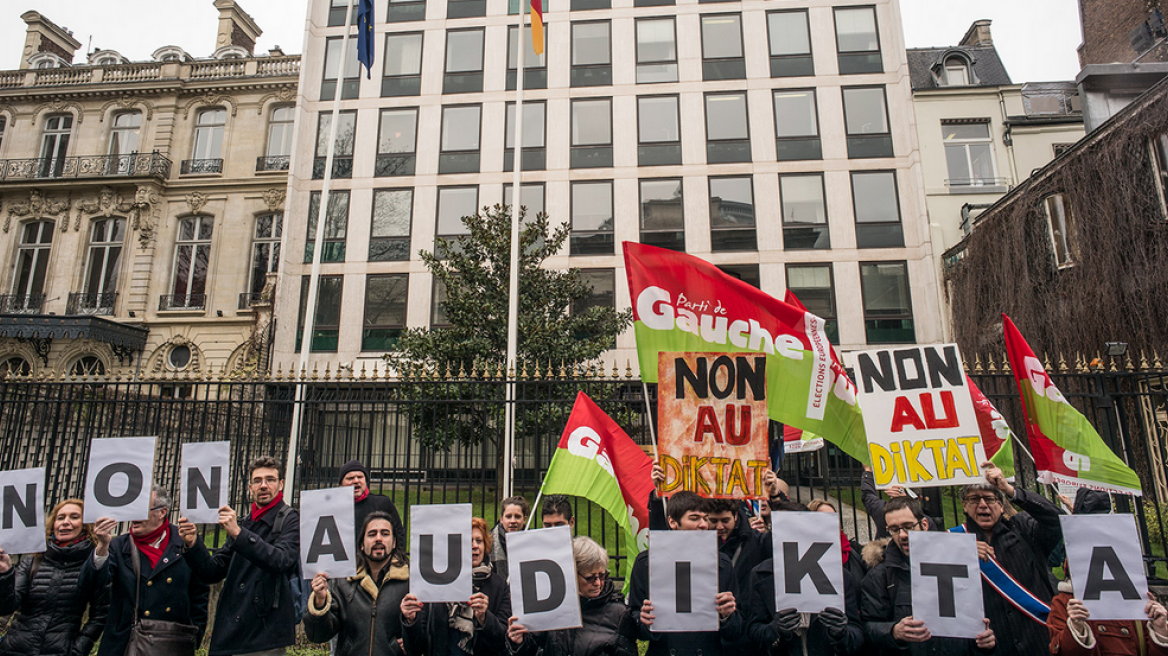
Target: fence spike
(977,363)
(1005,363)
(462,369)
(990,368)
(1156,360)
(628,369)
(1062,363)
(1130,363)
(375,370)
(615,370)
(1143,360)
(510,371)
(523,371)
(563,371)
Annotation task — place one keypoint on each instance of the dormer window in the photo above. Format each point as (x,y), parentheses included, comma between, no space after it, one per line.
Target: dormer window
(956,72)
(106,58)
(231,52)
(170,54)
(44,60)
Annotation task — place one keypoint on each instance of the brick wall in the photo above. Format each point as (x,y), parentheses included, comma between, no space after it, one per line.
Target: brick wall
(1107,28)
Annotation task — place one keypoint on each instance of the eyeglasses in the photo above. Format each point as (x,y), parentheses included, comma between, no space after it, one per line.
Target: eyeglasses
(271,480)
(977,500)
(895,530)
(602,576)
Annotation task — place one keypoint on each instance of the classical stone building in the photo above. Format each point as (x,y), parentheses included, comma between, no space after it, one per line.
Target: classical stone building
(142,202)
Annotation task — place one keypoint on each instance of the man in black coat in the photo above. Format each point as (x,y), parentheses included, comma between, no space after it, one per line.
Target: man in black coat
(364,502)
(687,512)
(744,545)
(256,612)
(833,632)
(166,587)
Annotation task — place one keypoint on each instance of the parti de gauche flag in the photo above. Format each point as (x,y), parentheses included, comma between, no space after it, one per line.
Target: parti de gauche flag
(683,303)
(995,432)
(1066,447)
(797,440)
(365,35)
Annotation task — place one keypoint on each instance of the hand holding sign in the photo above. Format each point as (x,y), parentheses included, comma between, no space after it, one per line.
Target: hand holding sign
(808,561)
(682,584)
(440,541)
(543,572)
(945,578)
(1106,565)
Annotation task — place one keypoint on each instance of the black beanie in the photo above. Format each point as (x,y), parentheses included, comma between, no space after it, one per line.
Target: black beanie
(352,466)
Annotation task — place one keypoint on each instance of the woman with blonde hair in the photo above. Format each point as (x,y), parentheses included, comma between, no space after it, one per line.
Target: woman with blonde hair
(45,592)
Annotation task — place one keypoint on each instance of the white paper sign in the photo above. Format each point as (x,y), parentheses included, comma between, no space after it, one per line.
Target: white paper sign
(919,418)
(440,558)
(119,479)
(22,511)
(808,561)
(327,533)
(946,583)
(683,580)
(543,579)
(204,480)
(1107,565)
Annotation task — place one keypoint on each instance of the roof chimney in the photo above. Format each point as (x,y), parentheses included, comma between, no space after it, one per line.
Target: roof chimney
(236,27)
(978,34)
(43,35)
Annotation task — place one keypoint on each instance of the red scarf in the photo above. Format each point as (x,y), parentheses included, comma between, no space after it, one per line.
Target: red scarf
(362,497)
(257,511)
(846,545)
(153,554)
(70,543)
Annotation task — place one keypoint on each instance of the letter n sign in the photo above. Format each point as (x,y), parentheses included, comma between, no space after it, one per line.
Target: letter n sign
(1107,565)
(118,480)
(440,567)
(22,514)
(543,579)
(204,480)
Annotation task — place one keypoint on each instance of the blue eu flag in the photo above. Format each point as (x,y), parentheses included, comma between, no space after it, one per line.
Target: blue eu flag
(365,35)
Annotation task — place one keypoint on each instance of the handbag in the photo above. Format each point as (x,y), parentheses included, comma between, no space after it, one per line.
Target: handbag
(157,637)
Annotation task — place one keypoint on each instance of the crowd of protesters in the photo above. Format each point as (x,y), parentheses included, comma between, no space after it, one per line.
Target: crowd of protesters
(146,592)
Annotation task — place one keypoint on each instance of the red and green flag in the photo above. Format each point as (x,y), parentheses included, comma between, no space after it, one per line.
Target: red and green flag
(797,440)
(683,303)
(537,26)
(1066,447)
(995,432)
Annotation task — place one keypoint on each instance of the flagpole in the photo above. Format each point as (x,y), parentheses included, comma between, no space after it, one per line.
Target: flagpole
(318,246)
(653,435)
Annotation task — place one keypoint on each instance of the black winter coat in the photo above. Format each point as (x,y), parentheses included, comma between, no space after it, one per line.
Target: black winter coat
(430,633)
(255,611)
(1022,546)
(170,591)
(364,617)
(886,598)
(607,631)
(50,605)
(382,503)
(746,548)
(731,633)
(815,642)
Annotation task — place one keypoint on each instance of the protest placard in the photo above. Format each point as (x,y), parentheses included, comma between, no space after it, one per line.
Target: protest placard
(440,543)
(543,579)
(327,533)
(683,580)
(118,481)
(808,561)
(946,583)
(1106,565)
(205,476)
(22,511)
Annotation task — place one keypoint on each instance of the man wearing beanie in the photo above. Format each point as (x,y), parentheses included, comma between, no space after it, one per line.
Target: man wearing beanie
(356,474)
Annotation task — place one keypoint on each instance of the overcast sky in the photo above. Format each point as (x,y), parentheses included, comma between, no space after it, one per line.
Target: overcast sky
(136,28)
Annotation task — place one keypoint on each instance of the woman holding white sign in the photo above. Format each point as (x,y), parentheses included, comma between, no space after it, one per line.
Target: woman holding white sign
(1074,633)
(608,629)
(45,592)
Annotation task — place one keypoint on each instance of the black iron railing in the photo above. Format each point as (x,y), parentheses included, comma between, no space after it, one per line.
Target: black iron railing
(196,166)
(22,303)
(91,303)
(276,163)
(182,302)
(94,166)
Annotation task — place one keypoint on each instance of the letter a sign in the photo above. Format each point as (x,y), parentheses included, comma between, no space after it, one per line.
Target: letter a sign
(22,514)
(204,480)
(327,533)
(117,483)
(440,544)
(543,579)
(1107,565)
(809,563)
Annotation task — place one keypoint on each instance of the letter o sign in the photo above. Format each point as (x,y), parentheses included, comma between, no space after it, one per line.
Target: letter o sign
(101,485)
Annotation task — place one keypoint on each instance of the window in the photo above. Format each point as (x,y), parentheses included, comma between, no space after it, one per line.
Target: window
(663,214)
(336,225)
(207,156)
(1060,148)
(576,5)
(336,15)
(534,66)
(603,284)
(956,72)
(722,57)
(466,8)
(102,266)
(812,284)
(658,131)
(591,133)
(969,152)
(393,217)
(351,84)
(747,273)
(877,204)
(55,145)
(532,198)
(281,126)
(438,318)
(796,125)
(460,139)
(385,311)
(656,50)
(592,227)
(790,44)
(265,250)
(401,11)
(32,267)
(342,145)
(888,315)
(192,256)
(866,119)
(804,212)
(464,61)
(87,365)
(396,142)
(124,135)
(14,365)
(1060,222)
(3,124)
(179,356)
(453,204)
(857,42)
(727,128)
(534,151)
(326,325)
(401,74)
(732,226)
(591,54)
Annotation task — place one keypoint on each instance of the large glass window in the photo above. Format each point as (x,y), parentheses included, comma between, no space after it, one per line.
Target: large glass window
(866,120)
(464,61)
(209,125)
(532,199)
(453,204)
(336,226)
(591,54)
(877,205)
(326,325)
(466,8)
(534,152)
(336,15)
(396,142)
(192,255)
(813,285)
(804,212)
(106,237)
(460,139)
(1060,223)
(402,72)
(401,11)
(591,133)
(969,152)
(658,131)
(732,224)
(727,128)
(656,50)
(386,299)
(346,138)
(32,266)
(592,225)
(55,144)
(393,217)
(888,317)
(790,44)
(722,57)
(281,126)
(603,285)
(796,125)
(663,214)
(124,133)
(534,66)
(351,78)
(265,250)
(857,40)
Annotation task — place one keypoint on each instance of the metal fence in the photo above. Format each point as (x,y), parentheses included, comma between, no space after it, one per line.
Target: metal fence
(437,437)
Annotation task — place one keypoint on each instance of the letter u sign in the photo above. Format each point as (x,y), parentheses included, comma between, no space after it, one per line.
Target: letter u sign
(440,538)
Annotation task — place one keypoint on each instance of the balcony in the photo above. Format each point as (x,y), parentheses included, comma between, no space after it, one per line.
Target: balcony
(199,70)
(21,303)
(92,304)
(96,166)
(275,163)
(182,302)
(201,166)
(248,300)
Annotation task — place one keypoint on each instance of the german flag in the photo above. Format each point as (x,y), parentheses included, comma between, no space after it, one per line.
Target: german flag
(537,26)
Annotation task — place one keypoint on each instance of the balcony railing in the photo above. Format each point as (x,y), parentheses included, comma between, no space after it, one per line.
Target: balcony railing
(89,303)
(197,166)
(286,66)
(974,185)
(182,302)
(22,303)
(276,163)
(94,166)
(248,300)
